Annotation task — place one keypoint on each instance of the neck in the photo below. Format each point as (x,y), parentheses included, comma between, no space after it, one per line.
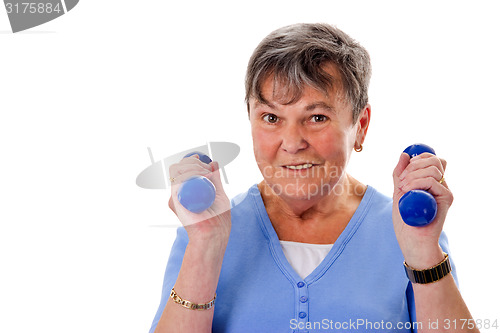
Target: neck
(318,220)
(346,190)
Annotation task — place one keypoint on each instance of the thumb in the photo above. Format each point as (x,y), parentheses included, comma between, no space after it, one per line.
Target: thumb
(404,160)
(215,176)
(171,205)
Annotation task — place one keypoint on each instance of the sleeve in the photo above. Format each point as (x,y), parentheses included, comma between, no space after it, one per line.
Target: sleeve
(172,271)
(410,297)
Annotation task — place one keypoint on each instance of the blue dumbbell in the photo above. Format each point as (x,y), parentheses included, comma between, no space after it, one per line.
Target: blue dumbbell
(197,193)
(418,208)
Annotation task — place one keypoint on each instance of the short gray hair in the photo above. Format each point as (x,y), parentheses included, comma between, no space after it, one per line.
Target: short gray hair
(296,55)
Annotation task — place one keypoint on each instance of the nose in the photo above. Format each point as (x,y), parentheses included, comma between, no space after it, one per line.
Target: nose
(293,139)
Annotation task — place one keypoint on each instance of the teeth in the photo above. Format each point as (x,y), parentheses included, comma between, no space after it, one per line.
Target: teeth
(299,167)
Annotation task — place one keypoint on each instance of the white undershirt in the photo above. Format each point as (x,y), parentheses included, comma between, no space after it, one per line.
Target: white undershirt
(304,257)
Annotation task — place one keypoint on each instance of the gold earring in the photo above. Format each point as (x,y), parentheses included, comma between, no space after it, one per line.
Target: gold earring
(359,149)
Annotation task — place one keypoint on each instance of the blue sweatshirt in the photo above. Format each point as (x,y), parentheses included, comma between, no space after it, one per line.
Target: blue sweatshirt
(360,286)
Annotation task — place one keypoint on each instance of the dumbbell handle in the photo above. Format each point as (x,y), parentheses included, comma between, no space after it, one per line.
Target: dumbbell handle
(418,208)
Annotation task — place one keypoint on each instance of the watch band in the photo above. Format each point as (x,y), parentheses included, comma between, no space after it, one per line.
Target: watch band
(433,274)
(190,305)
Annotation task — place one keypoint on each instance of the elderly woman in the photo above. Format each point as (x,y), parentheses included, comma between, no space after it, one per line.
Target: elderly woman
(309,248)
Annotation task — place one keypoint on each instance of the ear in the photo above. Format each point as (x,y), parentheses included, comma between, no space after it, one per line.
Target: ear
(362,124)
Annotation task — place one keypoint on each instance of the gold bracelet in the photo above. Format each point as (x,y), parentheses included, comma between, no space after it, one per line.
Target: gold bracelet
(430,275)
(190,305)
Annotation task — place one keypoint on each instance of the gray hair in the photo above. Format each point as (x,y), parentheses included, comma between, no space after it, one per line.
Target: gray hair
(296,55)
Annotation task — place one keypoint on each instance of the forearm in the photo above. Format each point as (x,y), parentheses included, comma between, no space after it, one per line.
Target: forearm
(196,282)
(439,305)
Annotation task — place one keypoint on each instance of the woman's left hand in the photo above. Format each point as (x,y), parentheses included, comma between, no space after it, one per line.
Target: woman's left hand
(420,245)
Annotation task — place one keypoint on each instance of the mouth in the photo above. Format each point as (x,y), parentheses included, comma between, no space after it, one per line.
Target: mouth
(299,166)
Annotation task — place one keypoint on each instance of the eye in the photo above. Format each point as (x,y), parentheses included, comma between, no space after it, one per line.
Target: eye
(270,118)
(319,118)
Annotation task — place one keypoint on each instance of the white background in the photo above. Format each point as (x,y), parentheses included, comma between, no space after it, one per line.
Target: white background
(83,249)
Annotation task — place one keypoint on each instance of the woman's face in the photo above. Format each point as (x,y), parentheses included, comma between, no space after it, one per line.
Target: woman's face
(302,149)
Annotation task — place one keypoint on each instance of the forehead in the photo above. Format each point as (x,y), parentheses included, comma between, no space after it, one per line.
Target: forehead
(278,89)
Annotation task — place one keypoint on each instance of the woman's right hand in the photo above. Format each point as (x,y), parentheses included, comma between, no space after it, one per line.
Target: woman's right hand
(213,222)
(208,234)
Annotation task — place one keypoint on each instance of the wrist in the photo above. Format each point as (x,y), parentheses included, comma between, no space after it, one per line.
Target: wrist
(209,231)
(424,257)
(211,239)
(208,248)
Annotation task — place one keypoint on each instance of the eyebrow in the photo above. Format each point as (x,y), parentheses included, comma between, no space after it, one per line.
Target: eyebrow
(320,105)
(310,107)
(264,102)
